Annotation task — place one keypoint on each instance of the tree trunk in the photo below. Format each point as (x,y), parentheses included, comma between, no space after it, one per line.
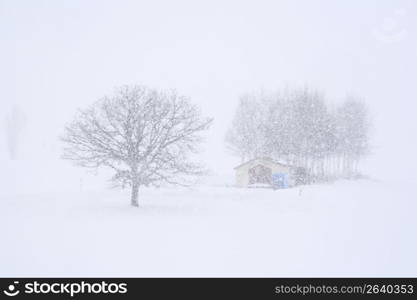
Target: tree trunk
(135,195)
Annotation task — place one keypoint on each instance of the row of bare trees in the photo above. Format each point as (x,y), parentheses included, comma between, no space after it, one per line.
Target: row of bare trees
(298,127)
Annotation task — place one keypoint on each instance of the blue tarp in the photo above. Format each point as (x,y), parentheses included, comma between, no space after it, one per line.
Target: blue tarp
(279,181)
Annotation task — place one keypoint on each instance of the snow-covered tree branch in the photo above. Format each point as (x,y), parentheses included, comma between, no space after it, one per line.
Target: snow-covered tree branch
(145,136)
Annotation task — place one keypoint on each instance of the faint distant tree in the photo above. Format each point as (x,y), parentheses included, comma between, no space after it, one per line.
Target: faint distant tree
(145,136)
(15,123)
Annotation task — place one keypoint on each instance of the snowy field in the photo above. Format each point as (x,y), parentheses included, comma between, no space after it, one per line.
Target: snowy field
(349,228)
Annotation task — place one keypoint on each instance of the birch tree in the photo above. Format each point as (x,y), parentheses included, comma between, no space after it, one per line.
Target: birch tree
(353,130)
(147,137)
(247,136)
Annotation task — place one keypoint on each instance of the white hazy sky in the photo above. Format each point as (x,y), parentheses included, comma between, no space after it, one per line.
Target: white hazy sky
(57,56)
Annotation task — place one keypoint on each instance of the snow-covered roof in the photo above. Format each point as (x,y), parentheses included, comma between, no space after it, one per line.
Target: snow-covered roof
(270,160)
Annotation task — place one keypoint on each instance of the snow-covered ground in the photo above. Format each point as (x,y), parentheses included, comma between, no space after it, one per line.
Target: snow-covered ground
(57,220)
(349,228)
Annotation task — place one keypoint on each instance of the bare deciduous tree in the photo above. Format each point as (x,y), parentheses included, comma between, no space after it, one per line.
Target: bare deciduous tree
(146,136)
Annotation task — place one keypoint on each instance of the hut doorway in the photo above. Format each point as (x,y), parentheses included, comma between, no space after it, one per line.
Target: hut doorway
(260,174)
